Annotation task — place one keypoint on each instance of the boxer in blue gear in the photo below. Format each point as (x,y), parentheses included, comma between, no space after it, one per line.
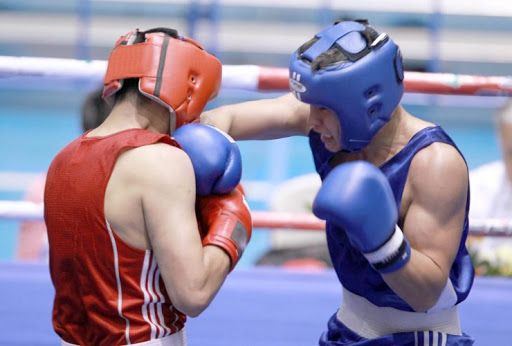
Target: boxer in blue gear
(395,188)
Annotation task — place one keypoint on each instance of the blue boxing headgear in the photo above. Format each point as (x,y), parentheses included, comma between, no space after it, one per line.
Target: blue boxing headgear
(363,87)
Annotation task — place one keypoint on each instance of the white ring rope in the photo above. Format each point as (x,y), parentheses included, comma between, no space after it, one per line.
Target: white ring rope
(253,78)
(21,210)
(250,77)
(30,211)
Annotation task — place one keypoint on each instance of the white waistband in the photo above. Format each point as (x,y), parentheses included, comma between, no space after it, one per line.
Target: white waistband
(371,321)
(176,339)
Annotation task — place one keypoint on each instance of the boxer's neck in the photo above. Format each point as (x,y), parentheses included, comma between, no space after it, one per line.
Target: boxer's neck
(135,111)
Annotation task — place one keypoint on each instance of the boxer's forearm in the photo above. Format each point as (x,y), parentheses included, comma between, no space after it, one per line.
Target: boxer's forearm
(420,282)
(262,119)
(200,291)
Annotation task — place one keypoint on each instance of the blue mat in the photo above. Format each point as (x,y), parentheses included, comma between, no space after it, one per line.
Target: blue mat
(256,307)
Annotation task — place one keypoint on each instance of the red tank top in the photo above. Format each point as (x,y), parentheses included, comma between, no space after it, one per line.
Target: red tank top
(106,292)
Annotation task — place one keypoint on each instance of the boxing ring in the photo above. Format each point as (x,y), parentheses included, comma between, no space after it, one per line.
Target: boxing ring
(258,305)
(255,307)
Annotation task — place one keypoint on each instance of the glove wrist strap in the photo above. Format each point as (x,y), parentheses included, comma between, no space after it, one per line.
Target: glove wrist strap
(392,255)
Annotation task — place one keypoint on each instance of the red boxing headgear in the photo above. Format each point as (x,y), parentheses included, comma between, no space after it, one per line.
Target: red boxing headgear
(174,71)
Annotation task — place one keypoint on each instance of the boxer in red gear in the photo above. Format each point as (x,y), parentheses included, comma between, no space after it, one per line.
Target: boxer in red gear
(126,256)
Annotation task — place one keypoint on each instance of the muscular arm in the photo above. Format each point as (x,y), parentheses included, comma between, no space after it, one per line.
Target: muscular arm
(262,119)
(433,225)
(192,274)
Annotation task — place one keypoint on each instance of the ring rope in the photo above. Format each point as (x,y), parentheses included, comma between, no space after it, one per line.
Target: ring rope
(30,211)
(253,77)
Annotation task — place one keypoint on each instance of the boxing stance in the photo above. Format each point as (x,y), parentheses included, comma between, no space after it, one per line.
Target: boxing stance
(132,250)
(394,193)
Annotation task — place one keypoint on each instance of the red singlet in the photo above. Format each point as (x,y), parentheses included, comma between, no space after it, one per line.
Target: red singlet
(106,292)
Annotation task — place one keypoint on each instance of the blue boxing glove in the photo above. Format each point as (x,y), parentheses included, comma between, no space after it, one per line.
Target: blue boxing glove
(356,196)
(215,157)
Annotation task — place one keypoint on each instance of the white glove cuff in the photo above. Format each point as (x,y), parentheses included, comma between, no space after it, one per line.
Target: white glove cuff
(388,250)
(392,255)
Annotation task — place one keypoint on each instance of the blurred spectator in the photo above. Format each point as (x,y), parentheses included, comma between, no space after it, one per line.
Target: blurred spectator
(32,244)
(491,197)
(32,239)
(296,249)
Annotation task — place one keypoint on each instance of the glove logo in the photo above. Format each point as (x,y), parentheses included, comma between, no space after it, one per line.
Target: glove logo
(296,86)
(239,236)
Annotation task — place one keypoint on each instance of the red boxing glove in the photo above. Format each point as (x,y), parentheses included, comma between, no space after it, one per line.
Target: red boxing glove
(225,221)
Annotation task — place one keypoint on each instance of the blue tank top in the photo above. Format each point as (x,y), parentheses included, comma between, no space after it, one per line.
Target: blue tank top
(352,268)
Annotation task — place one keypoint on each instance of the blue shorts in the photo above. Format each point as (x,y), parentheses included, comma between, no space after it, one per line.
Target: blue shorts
(338,334)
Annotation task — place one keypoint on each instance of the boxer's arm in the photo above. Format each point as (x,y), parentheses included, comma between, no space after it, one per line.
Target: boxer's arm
(262,119)
(192,273)
(433,225)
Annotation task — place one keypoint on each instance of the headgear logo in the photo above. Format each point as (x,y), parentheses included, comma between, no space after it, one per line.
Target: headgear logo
(296,86)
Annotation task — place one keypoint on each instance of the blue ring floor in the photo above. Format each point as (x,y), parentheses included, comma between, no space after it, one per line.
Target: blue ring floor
(256,307)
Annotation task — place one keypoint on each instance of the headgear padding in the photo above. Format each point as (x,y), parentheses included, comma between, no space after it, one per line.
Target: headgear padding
(174,71)
(363,88)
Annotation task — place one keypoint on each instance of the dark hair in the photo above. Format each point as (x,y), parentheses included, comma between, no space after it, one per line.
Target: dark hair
(335,54)
(130,85)
(94,110)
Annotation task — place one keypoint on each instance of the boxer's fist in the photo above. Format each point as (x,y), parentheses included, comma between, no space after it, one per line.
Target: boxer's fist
(357,197)
(215,157)
(225,221)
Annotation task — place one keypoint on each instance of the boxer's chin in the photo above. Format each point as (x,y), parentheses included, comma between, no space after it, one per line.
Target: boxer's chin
(330,143)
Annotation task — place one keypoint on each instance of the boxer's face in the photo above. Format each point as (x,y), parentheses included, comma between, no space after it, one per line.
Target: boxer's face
(325,122)
(506,146)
